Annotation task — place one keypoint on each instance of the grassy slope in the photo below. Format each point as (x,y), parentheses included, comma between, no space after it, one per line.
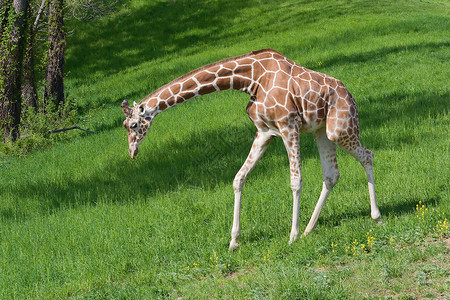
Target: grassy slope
(83,220)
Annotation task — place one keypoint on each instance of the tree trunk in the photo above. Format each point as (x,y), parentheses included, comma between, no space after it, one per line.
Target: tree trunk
(54,89)
(11,56)
(29,93)
(3,16)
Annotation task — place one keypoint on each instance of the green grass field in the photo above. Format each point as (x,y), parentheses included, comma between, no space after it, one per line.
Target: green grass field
(82,220)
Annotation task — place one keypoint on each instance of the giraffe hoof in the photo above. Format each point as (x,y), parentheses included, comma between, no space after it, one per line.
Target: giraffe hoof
(292,239)
(233,245)
(379,220)
(377,217)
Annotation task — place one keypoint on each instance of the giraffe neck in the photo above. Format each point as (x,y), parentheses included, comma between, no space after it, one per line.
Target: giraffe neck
(223,75)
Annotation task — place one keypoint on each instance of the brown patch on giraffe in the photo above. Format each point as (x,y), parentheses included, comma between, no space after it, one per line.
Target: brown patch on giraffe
(148,119)
(311,105)
(270,102)
(296,70)
(304,86)
(304,101)
(189,85)
(241,83)
(251,109)
(280,80)
(224,72)
(152,102)
(320,102)
(351,123)
(264,54)
(176,88)
(230,65)
(345,124)
(258,66)
(245,71)
(279,94)
(341,104)
(269,65)
(206,89)
(341,91)
(179,100)
(258,72)
(260,109)
(315,87)
(278,56)
(266,81)
(245,61)
(319,78)
(279,112)
(321,113)
(294,87)
(162,105)
(285,67)
(332,83)
(224,83)
(293,108)
(213,68)
(352,110)
(187,95)
(205,77)
(165,94)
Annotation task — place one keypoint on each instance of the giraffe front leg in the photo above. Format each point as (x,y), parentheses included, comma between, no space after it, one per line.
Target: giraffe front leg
(296,191)
(292,144)
(260,144)
(236,229)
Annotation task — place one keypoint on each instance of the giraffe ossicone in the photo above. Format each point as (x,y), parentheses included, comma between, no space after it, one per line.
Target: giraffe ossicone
(285,99)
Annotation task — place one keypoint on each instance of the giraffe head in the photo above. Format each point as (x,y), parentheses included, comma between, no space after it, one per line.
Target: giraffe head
(137,122)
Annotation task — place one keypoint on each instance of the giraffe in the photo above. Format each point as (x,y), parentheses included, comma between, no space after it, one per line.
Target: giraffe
(285,99)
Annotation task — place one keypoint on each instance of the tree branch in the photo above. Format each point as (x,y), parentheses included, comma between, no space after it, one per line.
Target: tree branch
(39,13)
(60,130)
(70,128)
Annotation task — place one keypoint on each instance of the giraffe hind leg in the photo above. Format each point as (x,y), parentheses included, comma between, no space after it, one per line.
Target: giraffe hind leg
(352,145)
(330,173)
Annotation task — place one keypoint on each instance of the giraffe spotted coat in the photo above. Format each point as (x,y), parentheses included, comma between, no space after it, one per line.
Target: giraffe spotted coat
(285,98)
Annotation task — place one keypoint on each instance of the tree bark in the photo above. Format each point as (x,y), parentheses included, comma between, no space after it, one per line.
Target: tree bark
(11,57)
(54,89)
(29,93)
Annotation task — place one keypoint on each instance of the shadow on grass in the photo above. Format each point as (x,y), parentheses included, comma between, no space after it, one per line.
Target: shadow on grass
(146,33)
(381,53)
(406,206)
(399,114)
(205,160)
(163,28)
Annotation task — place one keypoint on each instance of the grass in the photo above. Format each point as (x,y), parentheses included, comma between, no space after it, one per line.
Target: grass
(83,220)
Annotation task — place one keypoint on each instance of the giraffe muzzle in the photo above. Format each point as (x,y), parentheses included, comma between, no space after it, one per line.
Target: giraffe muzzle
(133,151)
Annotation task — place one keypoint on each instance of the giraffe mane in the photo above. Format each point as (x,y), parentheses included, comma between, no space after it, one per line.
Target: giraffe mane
(187,75)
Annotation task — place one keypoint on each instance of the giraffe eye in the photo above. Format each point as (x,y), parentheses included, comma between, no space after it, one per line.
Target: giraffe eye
(133,125)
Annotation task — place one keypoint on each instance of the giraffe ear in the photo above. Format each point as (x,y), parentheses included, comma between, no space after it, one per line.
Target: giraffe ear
(126,108)
(142,109)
